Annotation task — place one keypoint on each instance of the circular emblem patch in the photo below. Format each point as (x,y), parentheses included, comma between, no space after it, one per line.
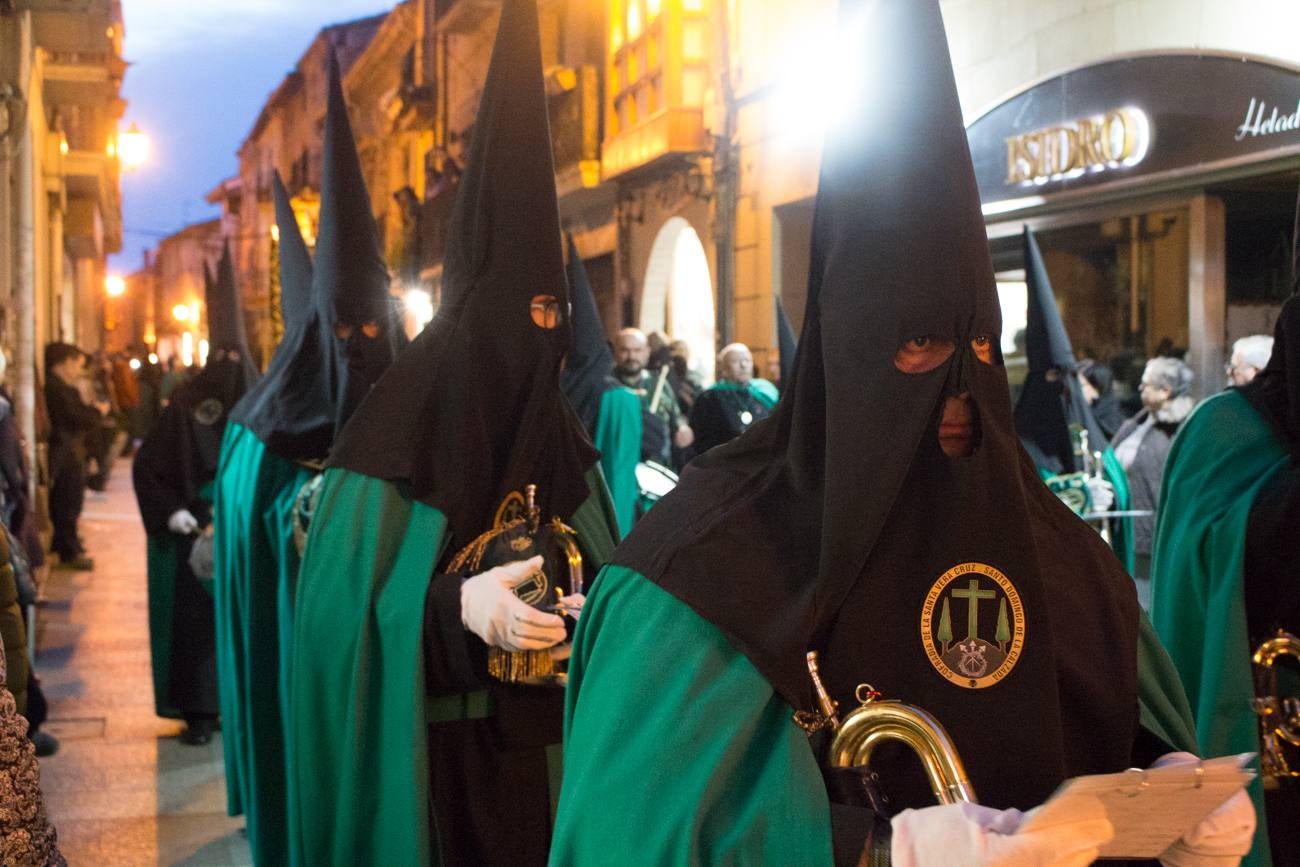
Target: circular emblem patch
(209,411)
(980,648)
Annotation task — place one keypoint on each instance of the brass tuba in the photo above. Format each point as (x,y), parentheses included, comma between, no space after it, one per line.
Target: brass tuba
(1279,717)
(874,722)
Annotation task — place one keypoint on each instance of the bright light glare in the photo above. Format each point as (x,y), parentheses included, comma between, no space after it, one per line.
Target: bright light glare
(181,312)
(187,349)
(153,358)
(419,304)
(817,84)
(1013,297)
(132,148)
(203,352)
(135,363)
(115,286)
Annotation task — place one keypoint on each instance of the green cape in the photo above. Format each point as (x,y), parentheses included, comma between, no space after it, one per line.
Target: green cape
(661,710)
(618,438)
(357,732)
(762,389)
(254,549)
(1217,464)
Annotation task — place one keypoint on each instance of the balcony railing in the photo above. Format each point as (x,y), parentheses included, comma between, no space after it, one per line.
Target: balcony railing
(575,129)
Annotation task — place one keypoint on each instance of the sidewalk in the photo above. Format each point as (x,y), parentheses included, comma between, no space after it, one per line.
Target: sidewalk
(122,790)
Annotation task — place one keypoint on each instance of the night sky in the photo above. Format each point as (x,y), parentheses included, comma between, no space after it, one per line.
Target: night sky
(199,73)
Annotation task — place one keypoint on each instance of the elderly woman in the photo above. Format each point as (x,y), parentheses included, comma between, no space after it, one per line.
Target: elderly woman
(1142,444)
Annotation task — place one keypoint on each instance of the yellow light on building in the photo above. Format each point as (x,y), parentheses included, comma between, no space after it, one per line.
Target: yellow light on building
(132,148)
(153,358)
(187,349)
(181,313)
(203,352)
(652,9)
(275,233)
(633,20)
(194,312)
(114,286)
(63,145)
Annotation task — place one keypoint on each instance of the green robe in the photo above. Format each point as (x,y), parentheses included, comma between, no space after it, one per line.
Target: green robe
(618,438)
(1223,455)
(254,557)
(662,711)
(357,728)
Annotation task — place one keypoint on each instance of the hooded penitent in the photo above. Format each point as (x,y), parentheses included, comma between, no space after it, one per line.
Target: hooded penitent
(1051,405)
(586,375)
(174,470)
(785,343)
(472,409)
(840,525)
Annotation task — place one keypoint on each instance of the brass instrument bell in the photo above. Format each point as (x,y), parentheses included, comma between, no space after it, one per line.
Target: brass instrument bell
(1279,716)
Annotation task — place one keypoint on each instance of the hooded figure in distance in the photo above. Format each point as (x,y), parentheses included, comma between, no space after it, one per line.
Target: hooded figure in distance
(884,516)
(339,337)
(173,474)
(1226,557)
(1052,415)
(413,747)
(610,412)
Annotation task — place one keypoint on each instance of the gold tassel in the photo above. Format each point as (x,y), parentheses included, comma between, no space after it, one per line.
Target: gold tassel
(516,667)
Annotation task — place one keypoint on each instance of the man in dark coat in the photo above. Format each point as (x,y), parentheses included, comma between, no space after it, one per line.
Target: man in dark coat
(735,402)
(71,420)
(173,474)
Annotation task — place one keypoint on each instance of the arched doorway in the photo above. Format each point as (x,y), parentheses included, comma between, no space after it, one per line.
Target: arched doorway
(678,297)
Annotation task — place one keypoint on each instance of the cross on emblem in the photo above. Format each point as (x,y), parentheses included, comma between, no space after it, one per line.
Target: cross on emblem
(973,594)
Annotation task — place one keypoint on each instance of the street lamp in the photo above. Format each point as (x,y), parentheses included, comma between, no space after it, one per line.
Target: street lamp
(132,148)
(181,313)
(114,286)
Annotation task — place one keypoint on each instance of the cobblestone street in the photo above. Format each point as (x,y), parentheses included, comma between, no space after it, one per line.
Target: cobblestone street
(122,790)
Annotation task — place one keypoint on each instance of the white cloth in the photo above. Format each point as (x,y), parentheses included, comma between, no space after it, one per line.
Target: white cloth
(182,522)
(968,835)
(1221,839)
(490,609)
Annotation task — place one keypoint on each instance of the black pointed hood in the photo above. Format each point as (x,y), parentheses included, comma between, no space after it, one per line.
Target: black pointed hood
(472,410)
(829,525)
(227,334)
(1051,407)
(786,344)
(349,278)
(295,261)
(291,409)
(1275,392)
(586,375)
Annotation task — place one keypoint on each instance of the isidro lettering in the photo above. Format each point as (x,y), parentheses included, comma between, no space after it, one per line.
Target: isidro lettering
(1091,144)
(1260,122)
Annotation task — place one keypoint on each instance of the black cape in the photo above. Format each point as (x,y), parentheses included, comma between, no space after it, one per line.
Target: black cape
(786,343)
(838,524)
(586,375)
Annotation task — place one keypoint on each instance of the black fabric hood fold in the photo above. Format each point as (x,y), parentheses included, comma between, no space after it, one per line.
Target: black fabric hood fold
(833,524)
(472,409)
(295,260)
(1051,404)
(786,344)
(586,375)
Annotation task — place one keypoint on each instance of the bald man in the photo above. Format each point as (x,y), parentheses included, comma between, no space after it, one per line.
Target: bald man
(726,410)
(663,424)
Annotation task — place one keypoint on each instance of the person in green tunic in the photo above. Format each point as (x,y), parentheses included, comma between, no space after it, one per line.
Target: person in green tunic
(173,474)
(417,733)
(278,438)
(1226,560)
(610,412)
(1052,417)
(885,517)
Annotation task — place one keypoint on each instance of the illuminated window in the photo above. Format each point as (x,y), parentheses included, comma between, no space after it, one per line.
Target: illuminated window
(634,21)
(652,9)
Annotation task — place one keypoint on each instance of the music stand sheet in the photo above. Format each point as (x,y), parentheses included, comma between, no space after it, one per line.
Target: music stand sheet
(1149,809)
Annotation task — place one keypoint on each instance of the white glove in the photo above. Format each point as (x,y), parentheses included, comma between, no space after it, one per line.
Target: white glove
(1101,493)
(1221,838)
(182,522)
(968,834)
(490,609)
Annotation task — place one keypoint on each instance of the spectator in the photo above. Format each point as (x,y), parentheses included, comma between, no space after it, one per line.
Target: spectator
(663,426)
(70,420)
(1142,444)
(1098,384)
(101,439)
(726,411)
(1249,356)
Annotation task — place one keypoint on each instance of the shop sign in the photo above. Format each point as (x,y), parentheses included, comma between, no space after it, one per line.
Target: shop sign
(1092,144)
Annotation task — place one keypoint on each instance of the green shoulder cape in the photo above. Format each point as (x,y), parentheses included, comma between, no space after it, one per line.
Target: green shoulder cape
(672,730)
(255,491)
(1217,464)
(357,734)
(618,438)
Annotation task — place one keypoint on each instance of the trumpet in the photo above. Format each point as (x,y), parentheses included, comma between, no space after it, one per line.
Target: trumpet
(875,721)
(1279,717)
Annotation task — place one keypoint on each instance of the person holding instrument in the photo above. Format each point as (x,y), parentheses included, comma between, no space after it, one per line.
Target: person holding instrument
(885,517)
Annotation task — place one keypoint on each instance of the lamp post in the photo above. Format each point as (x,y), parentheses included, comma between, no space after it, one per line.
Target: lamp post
(132,148)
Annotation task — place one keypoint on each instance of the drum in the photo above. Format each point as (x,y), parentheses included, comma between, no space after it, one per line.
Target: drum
(655,481)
